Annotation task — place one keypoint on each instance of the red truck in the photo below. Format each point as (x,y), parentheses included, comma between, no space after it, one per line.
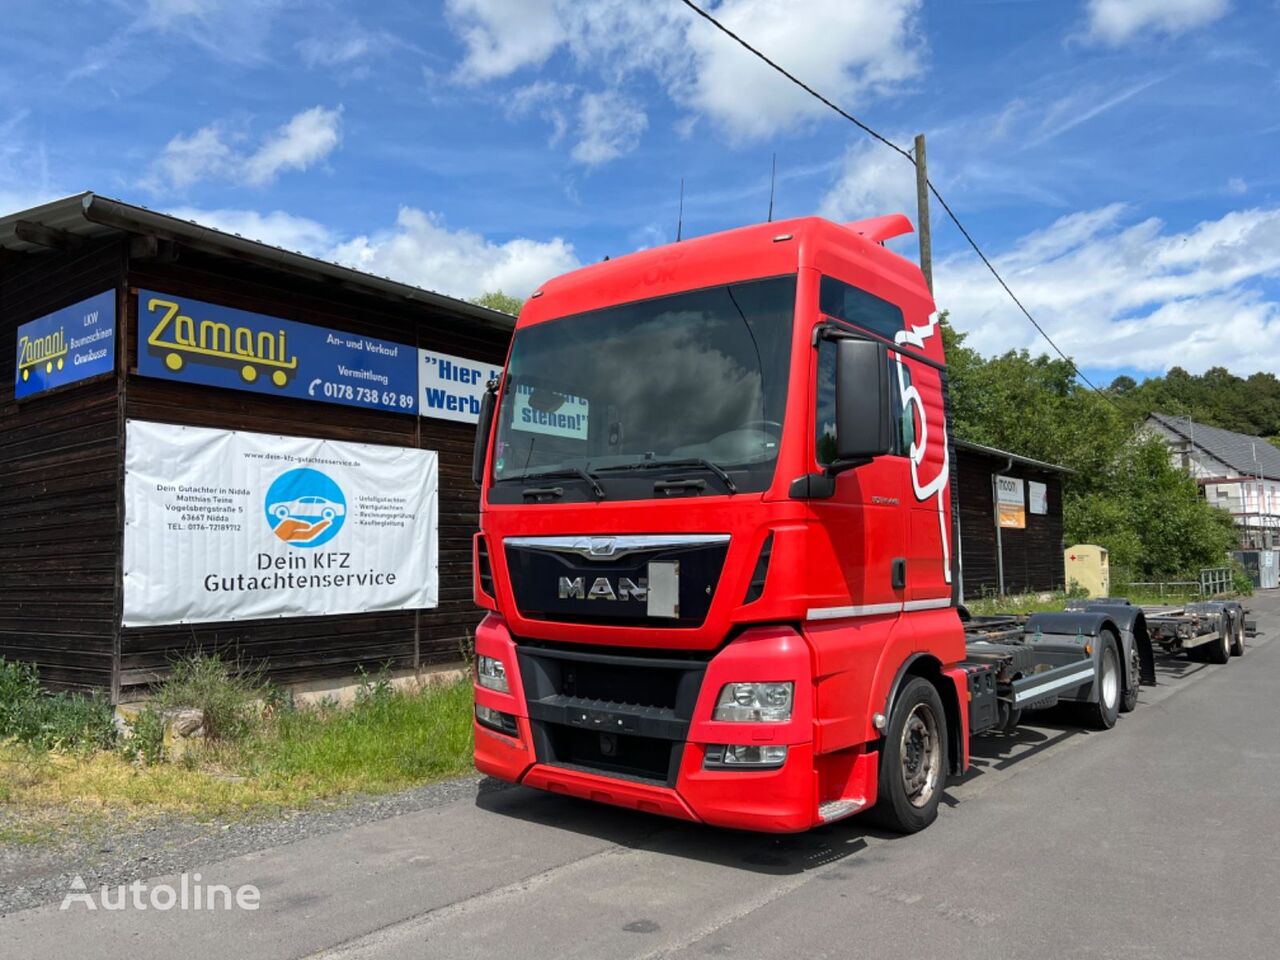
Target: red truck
(716,544)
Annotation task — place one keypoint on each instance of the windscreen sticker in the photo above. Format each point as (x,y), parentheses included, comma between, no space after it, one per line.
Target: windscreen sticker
(555,414)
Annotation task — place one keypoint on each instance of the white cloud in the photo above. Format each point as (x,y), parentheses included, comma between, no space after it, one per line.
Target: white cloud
(849,51)
(277,228)
(1116,293)
(873,181)
(203,155)
(421,250)
(854,51)
(1114,22)
(333,51)
(235,31)
(306,139)
(502,36)
(609,125)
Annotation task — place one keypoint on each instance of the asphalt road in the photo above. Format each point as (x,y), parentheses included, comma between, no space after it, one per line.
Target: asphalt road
(1153,840)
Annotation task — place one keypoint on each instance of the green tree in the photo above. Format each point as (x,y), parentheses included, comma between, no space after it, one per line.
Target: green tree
(497,300)
(1124,493)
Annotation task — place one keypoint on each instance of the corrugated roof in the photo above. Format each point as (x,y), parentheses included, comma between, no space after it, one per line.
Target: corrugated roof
(1248,455)
(88,216)
(1016,458)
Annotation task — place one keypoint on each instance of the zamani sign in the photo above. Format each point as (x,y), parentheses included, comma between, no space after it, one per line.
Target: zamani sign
(223,525)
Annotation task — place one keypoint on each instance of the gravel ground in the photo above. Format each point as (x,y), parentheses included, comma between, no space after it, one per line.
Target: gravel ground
(121,851)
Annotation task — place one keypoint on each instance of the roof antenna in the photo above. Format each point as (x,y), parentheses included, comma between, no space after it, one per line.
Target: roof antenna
(680,215)
(773,178)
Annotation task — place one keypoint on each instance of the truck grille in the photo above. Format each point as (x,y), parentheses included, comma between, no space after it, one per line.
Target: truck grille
(538,565)
(621,715)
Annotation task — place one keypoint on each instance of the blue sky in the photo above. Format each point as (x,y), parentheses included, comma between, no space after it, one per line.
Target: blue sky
(1116,156)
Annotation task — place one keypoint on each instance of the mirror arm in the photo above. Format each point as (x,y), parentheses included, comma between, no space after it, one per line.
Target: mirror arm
(840,466)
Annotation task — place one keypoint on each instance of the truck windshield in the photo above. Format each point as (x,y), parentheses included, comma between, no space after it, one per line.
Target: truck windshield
(699,378)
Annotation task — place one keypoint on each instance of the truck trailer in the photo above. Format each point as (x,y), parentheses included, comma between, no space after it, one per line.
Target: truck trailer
(716,544)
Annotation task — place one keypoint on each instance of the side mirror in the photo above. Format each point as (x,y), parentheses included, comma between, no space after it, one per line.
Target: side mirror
(484,429)
(864,422)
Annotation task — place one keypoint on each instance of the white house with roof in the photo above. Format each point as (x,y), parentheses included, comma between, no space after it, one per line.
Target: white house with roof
(1237,472)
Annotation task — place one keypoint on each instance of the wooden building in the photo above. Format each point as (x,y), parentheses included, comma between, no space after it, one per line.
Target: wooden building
(63,449)
(84,284)
(1014,545)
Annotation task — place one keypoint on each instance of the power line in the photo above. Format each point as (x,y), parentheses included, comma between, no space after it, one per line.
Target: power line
(932,189)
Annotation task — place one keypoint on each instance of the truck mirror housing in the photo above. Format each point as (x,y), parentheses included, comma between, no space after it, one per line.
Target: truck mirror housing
(864,423)
(484,428)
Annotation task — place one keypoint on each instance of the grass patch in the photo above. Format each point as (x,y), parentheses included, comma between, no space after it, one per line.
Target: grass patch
(1038,602)
(387,741)
(267,755)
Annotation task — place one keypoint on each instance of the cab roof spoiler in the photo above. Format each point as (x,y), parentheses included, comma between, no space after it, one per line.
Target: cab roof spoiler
(880,229)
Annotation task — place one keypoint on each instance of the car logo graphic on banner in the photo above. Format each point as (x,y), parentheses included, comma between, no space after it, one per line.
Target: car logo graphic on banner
(305,508)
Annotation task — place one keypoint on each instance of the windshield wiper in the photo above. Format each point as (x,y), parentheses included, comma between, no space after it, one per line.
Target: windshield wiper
(578,472)
(708,465)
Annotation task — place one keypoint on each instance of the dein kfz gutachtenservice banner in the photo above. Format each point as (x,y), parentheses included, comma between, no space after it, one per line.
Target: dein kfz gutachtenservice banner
(225,525)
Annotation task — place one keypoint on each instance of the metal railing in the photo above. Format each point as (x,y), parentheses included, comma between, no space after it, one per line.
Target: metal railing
(1161,587)
(1215,580)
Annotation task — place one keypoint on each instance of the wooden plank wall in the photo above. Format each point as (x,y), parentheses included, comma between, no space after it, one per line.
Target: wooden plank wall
(59,473)
(1032,557)
(308,648)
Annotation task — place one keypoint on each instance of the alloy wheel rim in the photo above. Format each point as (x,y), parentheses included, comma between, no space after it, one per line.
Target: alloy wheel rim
(1110,679)
(921,751)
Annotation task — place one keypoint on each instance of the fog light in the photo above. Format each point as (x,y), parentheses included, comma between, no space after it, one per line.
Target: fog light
(497,720)
(755,702)
(491,674)
(760,756)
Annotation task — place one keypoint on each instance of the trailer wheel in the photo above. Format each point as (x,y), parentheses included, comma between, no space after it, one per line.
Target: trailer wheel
(913,763)
(1101,714)
(1237,642)
(1130,698)
(1219,651)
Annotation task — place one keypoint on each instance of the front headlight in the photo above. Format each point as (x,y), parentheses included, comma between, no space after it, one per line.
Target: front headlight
(492,674)
(755,702)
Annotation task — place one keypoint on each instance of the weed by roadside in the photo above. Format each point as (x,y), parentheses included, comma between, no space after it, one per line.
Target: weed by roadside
(257,752)
(44,721)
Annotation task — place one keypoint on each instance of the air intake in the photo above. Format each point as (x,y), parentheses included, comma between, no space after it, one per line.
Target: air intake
(756,587)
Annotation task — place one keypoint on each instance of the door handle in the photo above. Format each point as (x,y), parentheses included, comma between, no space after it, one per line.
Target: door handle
(899,573)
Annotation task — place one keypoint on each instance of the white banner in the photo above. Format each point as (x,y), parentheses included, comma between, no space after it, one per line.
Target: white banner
(450,388)
(222,525)
(1039,496)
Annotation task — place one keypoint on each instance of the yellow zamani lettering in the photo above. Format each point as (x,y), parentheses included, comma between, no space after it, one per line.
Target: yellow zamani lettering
(215,336)
(182,338)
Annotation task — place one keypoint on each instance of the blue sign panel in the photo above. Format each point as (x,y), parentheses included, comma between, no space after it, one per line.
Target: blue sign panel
(195,342)
(74,343)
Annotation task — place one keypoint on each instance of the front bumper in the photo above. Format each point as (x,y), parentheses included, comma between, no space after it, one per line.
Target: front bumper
(805,791)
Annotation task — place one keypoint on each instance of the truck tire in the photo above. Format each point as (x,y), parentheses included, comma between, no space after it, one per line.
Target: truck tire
(913,762)
(1130,698)
(1237,635)
(1219,651)
(1102,712)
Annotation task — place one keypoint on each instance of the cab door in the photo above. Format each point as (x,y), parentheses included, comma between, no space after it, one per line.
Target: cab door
(859,562)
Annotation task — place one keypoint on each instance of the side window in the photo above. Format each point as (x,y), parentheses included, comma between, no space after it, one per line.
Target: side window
(848,303)
(825,417)
(906,432)
(825,407)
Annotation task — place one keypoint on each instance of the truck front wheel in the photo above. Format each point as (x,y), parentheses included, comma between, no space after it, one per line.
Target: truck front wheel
(913,763)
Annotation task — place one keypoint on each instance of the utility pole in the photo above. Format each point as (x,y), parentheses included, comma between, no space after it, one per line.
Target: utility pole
(922,212)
